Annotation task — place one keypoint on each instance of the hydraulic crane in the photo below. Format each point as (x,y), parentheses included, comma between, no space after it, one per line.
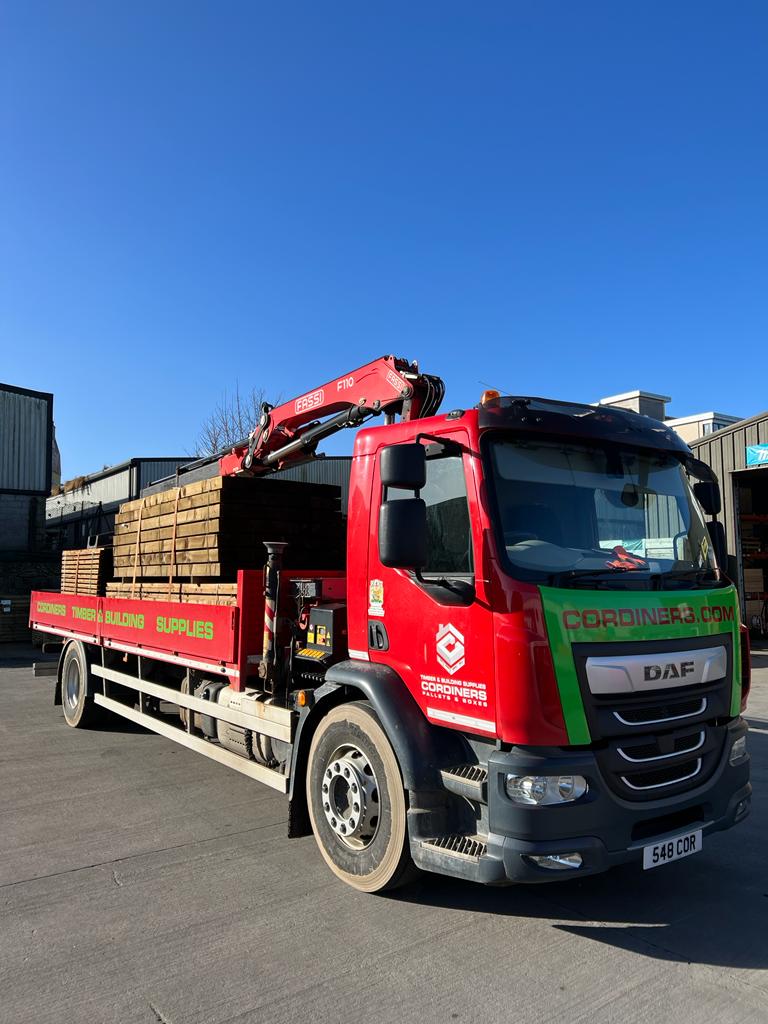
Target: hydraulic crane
(289,433)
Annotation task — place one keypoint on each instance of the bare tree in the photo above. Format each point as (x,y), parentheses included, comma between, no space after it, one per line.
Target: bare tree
(231,421)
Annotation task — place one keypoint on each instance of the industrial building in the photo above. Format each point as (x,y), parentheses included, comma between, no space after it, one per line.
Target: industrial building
(739,455)
(27,560)
(84,510)
(737,450)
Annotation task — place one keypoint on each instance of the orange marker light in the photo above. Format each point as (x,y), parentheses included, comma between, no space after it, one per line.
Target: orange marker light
(301,698)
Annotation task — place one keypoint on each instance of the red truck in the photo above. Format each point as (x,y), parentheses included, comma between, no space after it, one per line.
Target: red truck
(532,667)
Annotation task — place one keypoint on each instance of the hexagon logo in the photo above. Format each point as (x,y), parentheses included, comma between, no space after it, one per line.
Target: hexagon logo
(450,648)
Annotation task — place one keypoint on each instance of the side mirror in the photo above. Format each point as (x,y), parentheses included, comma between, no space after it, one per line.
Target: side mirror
(404,466)
(403,533)
(716,533)
(707,494)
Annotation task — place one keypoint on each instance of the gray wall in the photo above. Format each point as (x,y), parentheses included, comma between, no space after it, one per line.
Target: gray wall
(21,522)
(26,440)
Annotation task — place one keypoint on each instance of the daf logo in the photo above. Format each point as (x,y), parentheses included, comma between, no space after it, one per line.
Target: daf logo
(672,670)
(449,647)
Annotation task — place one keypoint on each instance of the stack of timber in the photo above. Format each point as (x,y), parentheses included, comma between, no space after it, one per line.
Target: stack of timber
(207,530)
(14,619)
(85,570)
(197,593)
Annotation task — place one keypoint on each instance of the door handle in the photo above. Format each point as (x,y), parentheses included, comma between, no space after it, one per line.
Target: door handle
(377,636)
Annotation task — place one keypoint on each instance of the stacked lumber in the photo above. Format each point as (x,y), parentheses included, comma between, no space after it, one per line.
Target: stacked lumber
(14,619)
(197,593)
(207,530)
(85,570)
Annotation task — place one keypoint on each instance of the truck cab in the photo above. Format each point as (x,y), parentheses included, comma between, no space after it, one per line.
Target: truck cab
(542,579)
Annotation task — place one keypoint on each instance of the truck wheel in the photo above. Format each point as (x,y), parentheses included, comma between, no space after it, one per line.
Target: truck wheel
(356,800)
(79,709)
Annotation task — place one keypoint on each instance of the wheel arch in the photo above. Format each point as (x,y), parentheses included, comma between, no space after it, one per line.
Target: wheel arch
(421,749)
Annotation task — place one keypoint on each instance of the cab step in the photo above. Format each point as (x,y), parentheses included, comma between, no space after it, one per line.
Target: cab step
(471,847)
(467,780)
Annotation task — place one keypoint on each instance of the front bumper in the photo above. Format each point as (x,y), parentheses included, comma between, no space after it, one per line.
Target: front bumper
(604,828)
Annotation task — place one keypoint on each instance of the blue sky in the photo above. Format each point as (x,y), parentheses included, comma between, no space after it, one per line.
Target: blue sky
(556,198)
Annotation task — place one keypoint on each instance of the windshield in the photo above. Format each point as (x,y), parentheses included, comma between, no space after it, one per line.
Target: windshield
(568,509)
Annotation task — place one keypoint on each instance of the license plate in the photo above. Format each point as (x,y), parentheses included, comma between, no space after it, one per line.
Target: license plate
(671,849)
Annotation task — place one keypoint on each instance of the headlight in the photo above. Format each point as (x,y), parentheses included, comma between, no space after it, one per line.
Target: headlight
(540,790)
(738,750)
(558,861)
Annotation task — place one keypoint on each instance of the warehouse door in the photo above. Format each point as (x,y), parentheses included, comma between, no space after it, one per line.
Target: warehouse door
(751,504)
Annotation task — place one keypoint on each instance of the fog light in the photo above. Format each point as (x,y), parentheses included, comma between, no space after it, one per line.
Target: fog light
(541,790)
(558,861)
(738,750)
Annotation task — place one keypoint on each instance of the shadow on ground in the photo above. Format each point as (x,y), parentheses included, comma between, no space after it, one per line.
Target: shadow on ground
(710,909)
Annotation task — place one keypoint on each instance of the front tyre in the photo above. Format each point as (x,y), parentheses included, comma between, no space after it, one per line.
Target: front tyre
(77,702)
(357,802)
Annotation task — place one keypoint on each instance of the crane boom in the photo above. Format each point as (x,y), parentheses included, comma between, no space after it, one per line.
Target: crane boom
(290,432)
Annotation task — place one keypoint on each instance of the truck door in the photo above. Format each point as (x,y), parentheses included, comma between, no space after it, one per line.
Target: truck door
(436,635)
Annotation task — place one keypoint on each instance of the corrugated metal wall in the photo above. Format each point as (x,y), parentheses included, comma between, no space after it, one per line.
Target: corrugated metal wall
(26,439)
(725,452)
(105,489)
(334,470)
(149,470)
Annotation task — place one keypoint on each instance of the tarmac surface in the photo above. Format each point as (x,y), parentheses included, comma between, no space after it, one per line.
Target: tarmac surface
(142,883)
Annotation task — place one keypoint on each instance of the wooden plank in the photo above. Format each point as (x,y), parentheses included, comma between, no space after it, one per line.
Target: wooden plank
(191,515)
(197,542)
(219,602)
(207,588)
(165,532)
(215,483)
(163,508)
(200,569)
(233,492)
(165,557)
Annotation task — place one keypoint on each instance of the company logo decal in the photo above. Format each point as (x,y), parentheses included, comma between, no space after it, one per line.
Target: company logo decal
(395,381)
(311,401)
(449,647)
(376,598)
(671,670)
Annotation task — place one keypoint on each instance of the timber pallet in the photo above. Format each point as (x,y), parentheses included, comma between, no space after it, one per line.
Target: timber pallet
(85,570)
(212,528)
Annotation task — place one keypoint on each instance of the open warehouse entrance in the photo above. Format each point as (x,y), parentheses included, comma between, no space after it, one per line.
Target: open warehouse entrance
(739,456)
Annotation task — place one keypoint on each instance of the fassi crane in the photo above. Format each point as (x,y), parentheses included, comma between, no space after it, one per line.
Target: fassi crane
(289,433)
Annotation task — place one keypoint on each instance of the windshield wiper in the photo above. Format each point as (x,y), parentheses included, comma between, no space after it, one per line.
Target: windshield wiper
(571,575)
(688,575)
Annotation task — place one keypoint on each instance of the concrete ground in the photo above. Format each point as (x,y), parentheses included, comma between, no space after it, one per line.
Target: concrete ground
(142,883)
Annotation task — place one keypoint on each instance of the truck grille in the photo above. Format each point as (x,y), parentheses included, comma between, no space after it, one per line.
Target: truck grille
(654,714)
(663,777)
(651,767)
(656,743)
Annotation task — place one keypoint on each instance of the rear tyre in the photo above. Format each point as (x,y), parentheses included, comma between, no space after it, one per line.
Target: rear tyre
(356,800)
(80,711)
